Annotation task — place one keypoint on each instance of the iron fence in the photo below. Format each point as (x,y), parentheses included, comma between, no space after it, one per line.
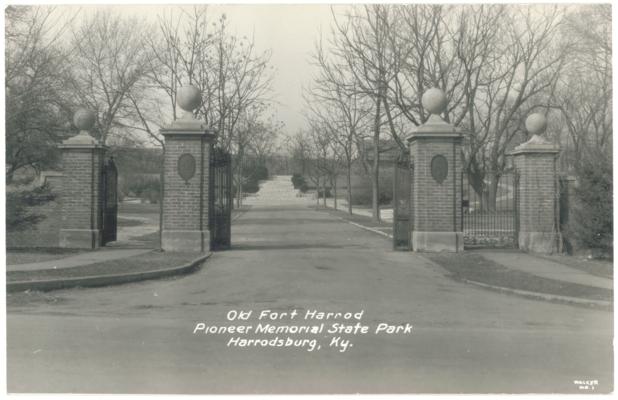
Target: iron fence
(489,210)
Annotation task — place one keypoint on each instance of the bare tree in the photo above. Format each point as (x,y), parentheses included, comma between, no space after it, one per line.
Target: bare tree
(192,49)
(335,103)
(300,151)
(584,92)
(360,42)
(328,157)
(110,57)
(37,110)
(496,63)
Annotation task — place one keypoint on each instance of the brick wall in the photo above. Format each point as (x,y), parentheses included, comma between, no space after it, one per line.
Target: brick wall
(537,192)
(436,206)
(182,202)
(81,202)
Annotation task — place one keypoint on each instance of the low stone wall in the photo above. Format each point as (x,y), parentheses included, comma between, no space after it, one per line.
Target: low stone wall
(46,232)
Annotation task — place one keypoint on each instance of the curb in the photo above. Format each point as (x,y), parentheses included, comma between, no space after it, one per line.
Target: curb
(105,280)
(544,296)
(359,225)
(367,228)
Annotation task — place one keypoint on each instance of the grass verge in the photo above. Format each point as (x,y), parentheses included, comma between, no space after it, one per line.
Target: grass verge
(359,219)
(146,262)
(602,268)
(138,208)
(28,255)
(127,222)
(474,267)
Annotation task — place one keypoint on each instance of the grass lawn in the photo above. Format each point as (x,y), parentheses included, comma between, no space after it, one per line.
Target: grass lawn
(475,267)
(32,255)
(129,222)
(138,208)
(149,239)
(359,219)
(146,262)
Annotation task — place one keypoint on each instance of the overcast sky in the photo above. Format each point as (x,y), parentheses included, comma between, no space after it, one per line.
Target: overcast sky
(289,31)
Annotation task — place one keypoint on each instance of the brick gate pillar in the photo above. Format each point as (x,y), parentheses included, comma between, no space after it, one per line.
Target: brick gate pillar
(186,177)
(435,154)
(81,193)
(535,162)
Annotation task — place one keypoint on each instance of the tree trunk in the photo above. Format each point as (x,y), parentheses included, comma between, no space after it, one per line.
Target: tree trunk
(161,198)
(375,170)
(317,193)
(349,177)
(335,193)
(239,188)
(324,194)
(494,180)
(239,179)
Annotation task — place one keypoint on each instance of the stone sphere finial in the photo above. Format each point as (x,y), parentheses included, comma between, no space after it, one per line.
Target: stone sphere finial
(83,119)
(536,123)
(189,98)
(434,100)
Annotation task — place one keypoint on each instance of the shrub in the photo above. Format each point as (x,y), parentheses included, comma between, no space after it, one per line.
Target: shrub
(328,193)
(255,171)
(362,195)
(592,223)
(145,186)
(19,203)
(251,186)
(260,172)
(298,180)
(303,187)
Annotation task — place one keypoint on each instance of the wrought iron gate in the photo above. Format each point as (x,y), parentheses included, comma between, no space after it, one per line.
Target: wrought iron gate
(402,210)
(109,209)
(220,199)
(489,215)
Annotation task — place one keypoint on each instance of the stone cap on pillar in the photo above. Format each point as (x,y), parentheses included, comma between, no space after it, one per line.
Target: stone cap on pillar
(188,98)
(536,124)
(83,119)
(434,100)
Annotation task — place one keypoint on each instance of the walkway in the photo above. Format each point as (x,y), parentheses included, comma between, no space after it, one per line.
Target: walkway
(277,190)
(547,269)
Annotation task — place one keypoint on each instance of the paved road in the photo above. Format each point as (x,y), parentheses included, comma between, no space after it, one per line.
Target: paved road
(138,338)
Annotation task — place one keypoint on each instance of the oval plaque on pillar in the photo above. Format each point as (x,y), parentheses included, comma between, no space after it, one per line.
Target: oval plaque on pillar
(439,168)
(186,166)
